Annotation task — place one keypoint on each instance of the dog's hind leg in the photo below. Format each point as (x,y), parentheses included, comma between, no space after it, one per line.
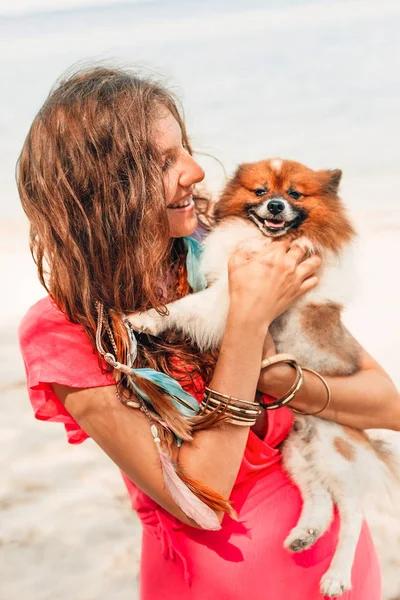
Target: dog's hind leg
(338,577)
(317,510)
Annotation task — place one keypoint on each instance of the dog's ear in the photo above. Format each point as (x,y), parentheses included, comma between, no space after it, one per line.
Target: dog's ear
(240,169)
(331,180)
(224,201)
(335,176)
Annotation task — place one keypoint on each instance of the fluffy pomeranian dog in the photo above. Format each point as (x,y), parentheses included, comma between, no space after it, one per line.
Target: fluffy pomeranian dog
(331,464)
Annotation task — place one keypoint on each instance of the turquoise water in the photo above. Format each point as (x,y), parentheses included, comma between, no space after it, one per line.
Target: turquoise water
(314,81)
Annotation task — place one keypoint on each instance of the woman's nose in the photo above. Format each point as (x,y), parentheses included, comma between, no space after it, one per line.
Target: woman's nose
(192,173)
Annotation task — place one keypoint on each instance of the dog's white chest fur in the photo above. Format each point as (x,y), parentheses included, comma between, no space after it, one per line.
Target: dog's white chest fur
(203,315)
(335,274)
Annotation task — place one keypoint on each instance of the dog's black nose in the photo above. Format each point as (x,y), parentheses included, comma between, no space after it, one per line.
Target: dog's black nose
(275,206)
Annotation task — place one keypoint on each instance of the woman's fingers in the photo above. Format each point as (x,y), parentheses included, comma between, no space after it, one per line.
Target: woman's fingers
(308,284)
(249,248)
(308,267)
(263,250)
(296,253)
(267,277)
(279,246)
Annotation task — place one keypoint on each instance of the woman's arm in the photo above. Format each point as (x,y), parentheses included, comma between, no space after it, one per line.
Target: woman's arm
(366,400)
(214,455)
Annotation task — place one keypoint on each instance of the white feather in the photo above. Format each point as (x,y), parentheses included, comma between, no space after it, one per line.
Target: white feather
(190,504)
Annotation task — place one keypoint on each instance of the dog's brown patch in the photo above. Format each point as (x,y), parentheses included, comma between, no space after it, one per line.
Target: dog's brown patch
(323,326)
(357,435)
(381,448)
(345,449)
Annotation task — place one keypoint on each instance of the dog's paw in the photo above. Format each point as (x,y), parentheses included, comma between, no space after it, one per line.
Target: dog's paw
(335,583)
(300,539)
(147,322)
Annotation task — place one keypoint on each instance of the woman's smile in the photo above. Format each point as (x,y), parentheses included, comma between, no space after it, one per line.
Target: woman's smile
(181,173)
(183,205)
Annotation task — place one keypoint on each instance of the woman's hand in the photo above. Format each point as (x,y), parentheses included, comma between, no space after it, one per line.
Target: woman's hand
(265,279)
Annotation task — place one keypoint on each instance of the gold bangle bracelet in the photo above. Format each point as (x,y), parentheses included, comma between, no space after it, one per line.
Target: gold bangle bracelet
(235,410)
(210,392)
(328,399)
(233,419)
(211,400)
(288,397)
(291,393)
(277,358)
(242,423)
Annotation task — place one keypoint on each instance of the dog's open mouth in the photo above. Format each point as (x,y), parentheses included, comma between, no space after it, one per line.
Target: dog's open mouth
(270,226)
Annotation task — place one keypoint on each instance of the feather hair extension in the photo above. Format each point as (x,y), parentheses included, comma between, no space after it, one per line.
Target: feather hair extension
(194,508)
(195,502)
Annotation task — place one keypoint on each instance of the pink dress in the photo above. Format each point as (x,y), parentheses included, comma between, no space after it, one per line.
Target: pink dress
(245,559)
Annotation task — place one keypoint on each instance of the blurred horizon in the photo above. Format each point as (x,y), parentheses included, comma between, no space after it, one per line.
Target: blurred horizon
(27,8)
(299,79)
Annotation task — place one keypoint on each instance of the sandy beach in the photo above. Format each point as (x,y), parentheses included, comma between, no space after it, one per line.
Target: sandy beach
(300,79)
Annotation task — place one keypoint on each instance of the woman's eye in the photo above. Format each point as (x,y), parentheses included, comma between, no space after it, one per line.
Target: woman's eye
(293,194)
(166,165)
(168,162)
(260,191)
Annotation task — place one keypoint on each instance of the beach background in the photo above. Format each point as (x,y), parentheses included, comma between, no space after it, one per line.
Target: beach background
(310,80)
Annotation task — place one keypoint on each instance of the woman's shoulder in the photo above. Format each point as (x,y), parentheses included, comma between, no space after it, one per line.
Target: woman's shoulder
(45,319)
(46,328)
(55,350)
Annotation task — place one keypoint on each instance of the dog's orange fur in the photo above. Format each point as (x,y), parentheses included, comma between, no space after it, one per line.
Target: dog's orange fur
(327,225)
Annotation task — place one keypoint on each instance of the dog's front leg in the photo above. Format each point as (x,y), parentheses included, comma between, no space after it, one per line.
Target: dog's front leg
(201,316)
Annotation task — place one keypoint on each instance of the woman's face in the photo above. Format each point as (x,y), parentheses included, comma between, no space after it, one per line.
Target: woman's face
(181,173)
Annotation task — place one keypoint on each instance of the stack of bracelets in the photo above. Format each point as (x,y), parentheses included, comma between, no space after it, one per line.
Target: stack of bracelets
(243,412)
(236,411)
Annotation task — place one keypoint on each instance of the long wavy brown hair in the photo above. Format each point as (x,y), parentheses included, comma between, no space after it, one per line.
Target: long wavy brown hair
(91,183)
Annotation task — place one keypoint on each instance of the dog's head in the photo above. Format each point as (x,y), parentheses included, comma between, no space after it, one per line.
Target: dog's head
(283,197)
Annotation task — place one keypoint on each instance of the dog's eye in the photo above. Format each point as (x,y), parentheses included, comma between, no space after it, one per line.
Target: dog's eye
(260,191)
(293,194)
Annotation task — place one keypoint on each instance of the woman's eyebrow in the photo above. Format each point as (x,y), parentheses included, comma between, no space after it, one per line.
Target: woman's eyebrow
(169,150)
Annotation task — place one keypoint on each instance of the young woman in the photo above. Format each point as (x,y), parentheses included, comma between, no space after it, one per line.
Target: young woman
(106,178)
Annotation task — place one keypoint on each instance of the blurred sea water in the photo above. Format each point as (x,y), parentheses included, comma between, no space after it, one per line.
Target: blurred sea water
(312,80)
